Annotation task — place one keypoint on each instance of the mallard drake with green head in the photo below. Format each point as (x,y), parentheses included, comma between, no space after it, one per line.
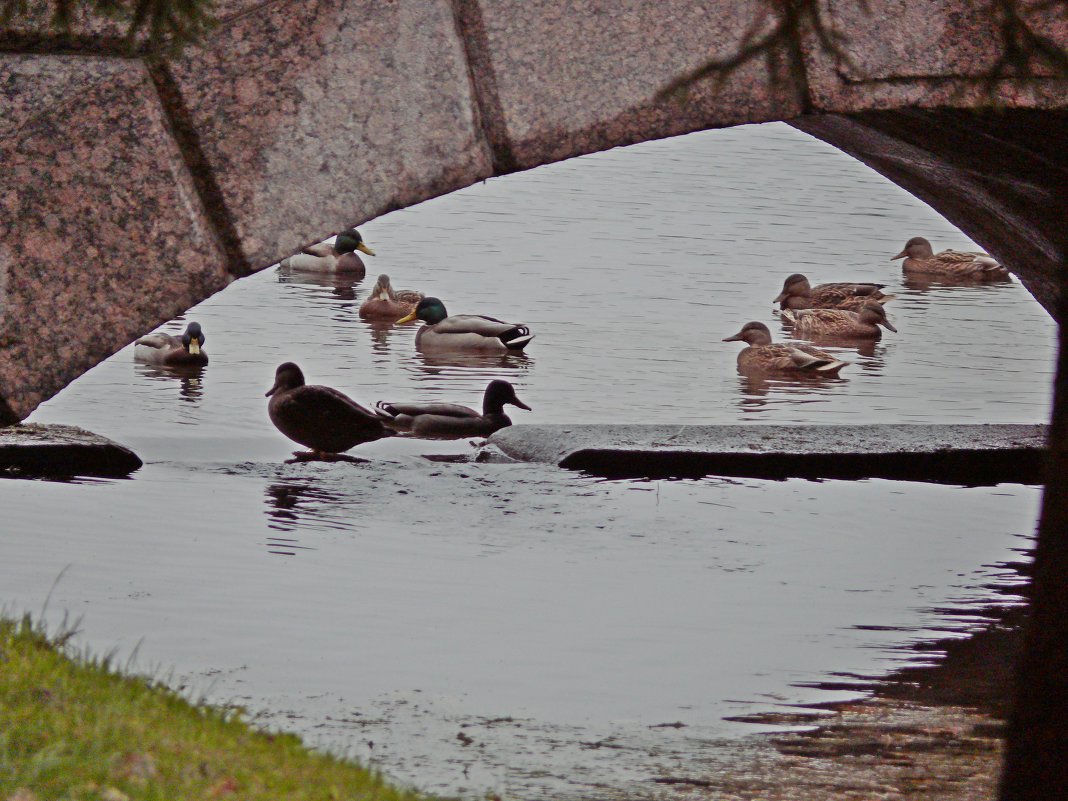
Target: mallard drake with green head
(339,257)
(387,303)
(451,420)
(863,324)
(318,417)
(764,356)
(920,258)
(798,293)
(188,349)
(465,331)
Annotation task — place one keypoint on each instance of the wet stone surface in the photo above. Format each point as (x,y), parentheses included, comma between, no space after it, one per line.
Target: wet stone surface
(963,454)
(59,451)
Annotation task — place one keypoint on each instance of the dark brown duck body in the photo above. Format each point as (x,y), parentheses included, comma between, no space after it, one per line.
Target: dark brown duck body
(318,417)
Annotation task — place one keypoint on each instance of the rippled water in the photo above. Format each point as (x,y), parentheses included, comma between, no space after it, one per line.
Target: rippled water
(403,600)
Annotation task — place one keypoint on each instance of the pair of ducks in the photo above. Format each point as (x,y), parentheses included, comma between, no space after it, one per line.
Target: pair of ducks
(329,422)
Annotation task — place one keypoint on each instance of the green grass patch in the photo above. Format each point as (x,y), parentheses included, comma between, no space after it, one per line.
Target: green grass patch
(72,727)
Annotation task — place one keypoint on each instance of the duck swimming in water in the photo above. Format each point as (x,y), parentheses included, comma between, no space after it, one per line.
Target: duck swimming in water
(164,349)
(764,356)
(450,420)
(863,324)
(339,257)
(318,417)
(389,304)
(465,331)
(920,259)
(798,293)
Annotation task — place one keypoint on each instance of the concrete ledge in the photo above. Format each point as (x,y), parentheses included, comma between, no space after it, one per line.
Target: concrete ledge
(62,451)
(950,454)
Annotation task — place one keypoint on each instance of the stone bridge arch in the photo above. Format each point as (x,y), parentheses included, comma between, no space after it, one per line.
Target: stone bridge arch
(134,187)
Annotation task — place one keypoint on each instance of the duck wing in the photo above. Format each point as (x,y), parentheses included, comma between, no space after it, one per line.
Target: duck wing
(408,296)
(326,404)
(321,249)
(415,409)
(159,341)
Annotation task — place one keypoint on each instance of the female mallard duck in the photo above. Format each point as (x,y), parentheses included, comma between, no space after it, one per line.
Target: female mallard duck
(320,418)
(764,356)
(464,331)
(839,322)
(450,420)
(920,258)
(336,258)
(188,349)
(797,293)
(387,303)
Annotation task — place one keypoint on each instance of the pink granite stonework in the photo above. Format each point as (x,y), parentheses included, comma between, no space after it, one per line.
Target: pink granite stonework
(101,235)
(129,192)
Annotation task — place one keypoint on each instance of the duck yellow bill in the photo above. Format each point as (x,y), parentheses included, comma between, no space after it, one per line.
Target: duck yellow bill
(364,249)
(194,347)
(407,318)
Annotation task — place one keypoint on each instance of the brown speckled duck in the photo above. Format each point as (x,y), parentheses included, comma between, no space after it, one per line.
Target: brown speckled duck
(320,418)
(450,420)
(797,293)
(164,349)
(767,357)
(339,257)
(920,259)
(841,323)
(389,304)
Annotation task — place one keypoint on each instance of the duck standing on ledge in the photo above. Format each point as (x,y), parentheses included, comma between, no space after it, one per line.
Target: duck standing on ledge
(797,293)
(767,357)
(389,304)
(465,331)
(339,257)
(840,322)
(318,417)
(920,258)
(187,350)
(450,420)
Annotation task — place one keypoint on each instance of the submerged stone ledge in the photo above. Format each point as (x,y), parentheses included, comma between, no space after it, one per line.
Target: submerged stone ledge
(62,451)
(950,454)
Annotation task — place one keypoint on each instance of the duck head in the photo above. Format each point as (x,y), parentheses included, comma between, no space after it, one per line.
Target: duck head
(350,240)
(429,310)
(915,248)
(383,289)
(753,333)
(796,284)
(874,313)
(193,338)
(498,393)
(287,376)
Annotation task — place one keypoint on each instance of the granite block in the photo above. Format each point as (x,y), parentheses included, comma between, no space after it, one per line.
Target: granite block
(102,235)
(918,53)
(316,115)
(561,78)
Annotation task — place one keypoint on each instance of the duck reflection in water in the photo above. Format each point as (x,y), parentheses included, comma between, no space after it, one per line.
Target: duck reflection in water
(342,286)
(293,505)
(190,378)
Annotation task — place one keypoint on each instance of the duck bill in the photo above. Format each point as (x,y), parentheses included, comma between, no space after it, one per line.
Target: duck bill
(407,318)
(735,338)
(781,298)
(272,390)
(194,347)
(900,255)
(520,404)
(889,326)
(364,249)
